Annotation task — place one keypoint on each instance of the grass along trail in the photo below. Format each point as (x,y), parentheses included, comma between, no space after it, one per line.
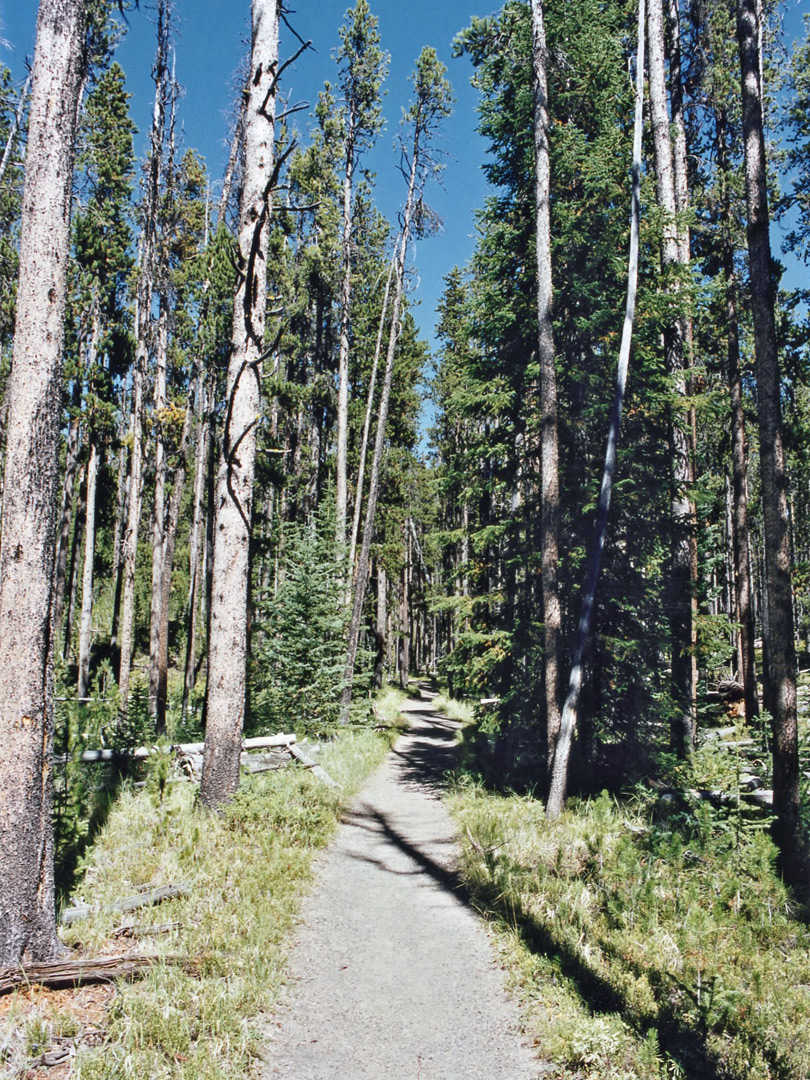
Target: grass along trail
(392,975)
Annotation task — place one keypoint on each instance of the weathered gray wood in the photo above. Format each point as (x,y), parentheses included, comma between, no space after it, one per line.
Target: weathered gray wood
(317,770)
(60,973)
(142,752)
(130,903)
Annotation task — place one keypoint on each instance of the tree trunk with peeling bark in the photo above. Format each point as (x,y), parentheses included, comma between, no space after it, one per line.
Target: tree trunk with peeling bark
(228,639)
(27,914)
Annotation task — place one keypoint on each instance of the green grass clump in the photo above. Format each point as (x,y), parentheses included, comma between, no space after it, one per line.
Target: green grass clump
(644,944)
(462,711)
(248,868)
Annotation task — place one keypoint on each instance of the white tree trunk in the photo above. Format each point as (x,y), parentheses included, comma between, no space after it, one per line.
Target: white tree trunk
(228,642)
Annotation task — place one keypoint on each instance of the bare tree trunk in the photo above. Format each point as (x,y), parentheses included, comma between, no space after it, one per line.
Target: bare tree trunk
(549,452)
(130,546)
(121,513)
(66,513)
(740,538)
(568,721)
(86,621)
(15,127)
(379,632)
(684,560)
(196,542)
(228,644)
(27,915)
(372,386)
(781,668)
(363,562)
(341,480)
(159,509)
(143,310)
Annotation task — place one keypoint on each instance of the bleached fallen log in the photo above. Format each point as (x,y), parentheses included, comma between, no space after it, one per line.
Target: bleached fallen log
(130,903)
(63,973)
(143,752)
(315,769)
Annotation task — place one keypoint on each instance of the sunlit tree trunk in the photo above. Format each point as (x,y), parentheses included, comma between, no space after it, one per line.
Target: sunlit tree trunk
(27,914)
(683,568)
(549,452)
(228,640)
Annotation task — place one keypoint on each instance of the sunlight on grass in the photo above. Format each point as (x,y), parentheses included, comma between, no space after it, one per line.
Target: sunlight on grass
(248,868)
(642,940)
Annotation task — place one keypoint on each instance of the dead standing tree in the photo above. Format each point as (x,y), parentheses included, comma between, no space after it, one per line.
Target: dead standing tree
(228,638)
(433,102)
(27,915)
(562,750)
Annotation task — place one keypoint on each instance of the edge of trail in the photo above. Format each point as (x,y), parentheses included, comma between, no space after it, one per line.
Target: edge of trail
(392,974)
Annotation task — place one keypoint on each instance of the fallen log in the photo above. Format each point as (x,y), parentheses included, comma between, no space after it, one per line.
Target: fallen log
(130,903)
(143,752)
(65,973)
(316,770)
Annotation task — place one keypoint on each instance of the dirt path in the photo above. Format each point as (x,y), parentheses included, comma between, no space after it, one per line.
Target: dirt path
(392,976)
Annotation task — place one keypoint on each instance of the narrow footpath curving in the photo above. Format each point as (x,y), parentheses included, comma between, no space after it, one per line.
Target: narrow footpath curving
(392,976)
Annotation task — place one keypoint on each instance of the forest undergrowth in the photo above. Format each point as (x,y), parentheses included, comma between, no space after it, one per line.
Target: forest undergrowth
(198,1014)
(646,937)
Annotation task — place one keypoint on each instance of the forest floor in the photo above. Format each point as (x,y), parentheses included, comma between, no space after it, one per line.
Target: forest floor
(392,974)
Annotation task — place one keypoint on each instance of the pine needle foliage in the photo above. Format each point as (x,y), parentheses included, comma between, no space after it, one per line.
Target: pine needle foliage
(298,669)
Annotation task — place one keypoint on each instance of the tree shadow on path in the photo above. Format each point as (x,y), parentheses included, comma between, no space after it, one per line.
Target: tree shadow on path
(425,757)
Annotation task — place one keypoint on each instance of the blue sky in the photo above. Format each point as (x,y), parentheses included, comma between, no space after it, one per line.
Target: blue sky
(211,40)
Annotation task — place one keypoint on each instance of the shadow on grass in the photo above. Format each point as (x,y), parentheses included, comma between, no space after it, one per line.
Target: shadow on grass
(424,758)
(84,795)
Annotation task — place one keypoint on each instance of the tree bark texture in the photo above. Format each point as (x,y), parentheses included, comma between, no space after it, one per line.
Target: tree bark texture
(27,916)
(781,668)
(549,451)
(228,641)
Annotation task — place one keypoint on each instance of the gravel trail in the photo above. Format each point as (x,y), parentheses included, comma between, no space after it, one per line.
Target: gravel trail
(392,976)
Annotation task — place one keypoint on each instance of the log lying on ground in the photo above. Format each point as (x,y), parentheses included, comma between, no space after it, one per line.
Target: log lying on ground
(315,769)
(142,752)
(717,797)
(65,973)
(131,903)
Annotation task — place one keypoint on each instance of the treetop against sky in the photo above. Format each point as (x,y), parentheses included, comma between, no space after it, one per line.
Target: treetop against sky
(211,42)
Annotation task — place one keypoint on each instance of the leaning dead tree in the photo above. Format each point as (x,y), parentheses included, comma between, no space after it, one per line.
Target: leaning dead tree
(562,750)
